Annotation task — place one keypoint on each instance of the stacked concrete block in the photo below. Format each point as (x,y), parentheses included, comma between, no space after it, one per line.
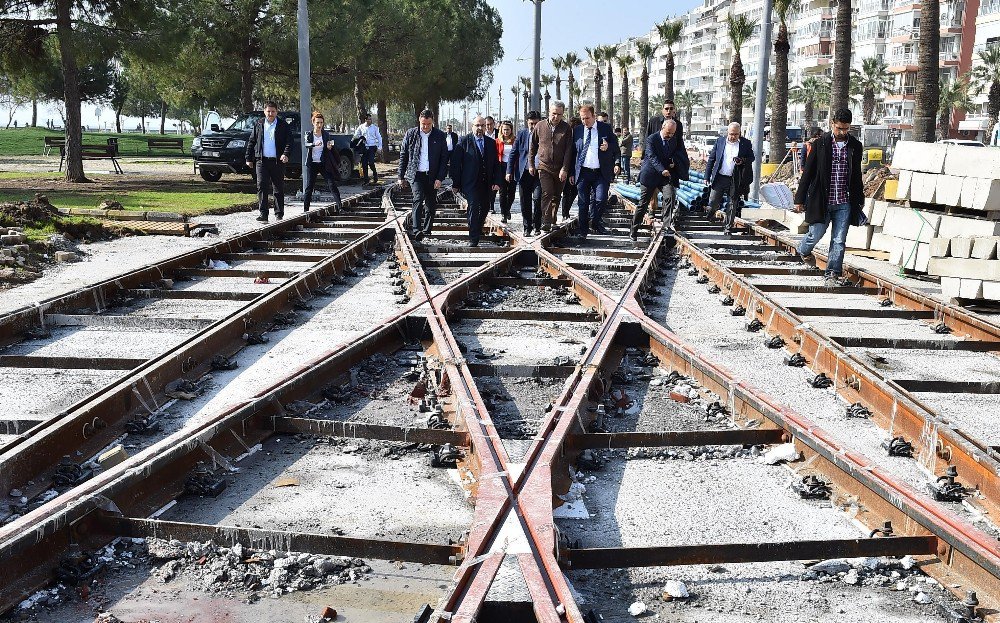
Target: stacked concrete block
(968,267)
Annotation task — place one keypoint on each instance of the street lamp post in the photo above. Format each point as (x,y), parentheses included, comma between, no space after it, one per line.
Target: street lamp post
(761,99)
(305,88)
(536,71)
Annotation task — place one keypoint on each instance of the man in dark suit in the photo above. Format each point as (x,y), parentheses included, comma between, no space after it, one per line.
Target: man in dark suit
(597,158)
(669,112)
(527,184)
(831,192)
(729,172)
(423,164)
(267,152)
(663,168)
(475,171)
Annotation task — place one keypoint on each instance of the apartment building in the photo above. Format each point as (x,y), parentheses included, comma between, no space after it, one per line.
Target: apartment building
(888,29)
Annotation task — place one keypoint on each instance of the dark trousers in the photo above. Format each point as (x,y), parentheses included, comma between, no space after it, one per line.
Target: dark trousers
(530,194)
(722,186)
(368,160)
(507,196)
(568,197)
(647,194)
(331,185)
(591,205)
(478,197)
(551,189)
(627,167)
(270,177)
(424,196)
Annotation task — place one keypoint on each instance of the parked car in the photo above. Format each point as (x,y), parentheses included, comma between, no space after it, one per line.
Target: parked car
(959,141)
(224,151)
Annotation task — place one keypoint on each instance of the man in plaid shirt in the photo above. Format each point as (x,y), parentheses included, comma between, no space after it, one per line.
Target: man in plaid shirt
(830,192)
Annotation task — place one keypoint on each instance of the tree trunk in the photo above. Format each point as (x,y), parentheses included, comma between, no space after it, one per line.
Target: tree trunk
(34,112)
(736,81)
(928,86)
(570,81)
(598,82)
(611,92)
(381,107)
(359,98)
(688,115)
(868,106)
(625,102)
(163,117)
(809,114)
(668,84)
(644,105)
(547,99)
(943,123)
(840,89)
(71,91)
(142,122)
(993,106)
(118,119)
(524,101)
(516,104)
(779,107)
(558,87)
(246,82)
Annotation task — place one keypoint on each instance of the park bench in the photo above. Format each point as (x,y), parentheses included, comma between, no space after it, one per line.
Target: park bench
(95,152)
(165,143)
(49,142)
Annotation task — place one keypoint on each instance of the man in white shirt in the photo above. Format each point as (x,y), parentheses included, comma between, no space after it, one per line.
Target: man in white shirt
(731,160)
(373,143)
(423,165)
(267,151)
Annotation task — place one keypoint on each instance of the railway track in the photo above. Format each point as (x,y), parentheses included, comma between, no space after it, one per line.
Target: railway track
(538,372)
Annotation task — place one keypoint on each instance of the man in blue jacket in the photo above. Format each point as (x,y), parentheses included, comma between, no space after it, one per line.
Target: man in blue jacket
(475,171)
(729,171)
(664,165)
(423,164)
(597,156)
(527,184)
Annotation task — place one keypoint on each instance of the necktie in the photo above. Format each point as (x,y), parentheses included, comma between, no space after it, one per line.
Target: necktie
(479,144)
(586,148)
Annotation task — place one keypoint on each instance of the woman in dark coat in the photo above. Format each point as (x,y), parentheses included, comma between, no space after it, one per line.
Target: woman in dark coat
(321,157)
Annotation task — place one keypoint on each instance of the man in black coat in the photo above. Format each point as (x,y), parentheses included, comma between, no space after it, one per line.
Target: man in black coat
(831,192)
(729,172)
(654,125)
(475,171)
(527,184)
(423,164)
(268,148)
(663,167)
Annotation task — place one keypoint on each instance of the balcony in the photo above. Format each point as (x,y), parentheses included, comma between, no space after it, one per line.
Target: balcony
(989,7)
(874,6)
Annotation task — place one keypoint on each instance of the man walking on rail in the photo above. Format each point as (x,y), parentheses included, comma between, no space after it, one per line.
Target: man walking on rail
(597,159)
(552,143)
(669,112)
(475,172)
(423,164)
(831,192)
(664,165)
(372,143)
(527,183)
(729,172)
(267,152)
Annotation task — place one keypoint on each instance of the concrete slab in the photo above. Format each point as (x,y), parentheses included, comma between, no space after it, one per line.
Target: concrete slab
(796,222)
(878,213)
(961,247)
(972,162)
(984,248)
(987,270)
(859,237)
(903,186)
(948,190)
(987,196)
(950,287)
(923,187)
(911,224)
(991,290)
(940,247)
(883,242)
(971,289)
(970,186)
(954,226)
(911,255)
(914,156)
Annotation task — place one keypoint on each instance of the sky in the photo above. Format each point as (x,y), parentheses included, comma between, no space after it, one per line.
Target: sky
(567,26)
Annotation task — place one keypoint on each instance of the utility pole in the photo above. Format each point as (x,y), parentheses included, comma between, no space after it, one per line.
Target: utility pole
(500,105)
(761,100)
(305,87)
(536,71)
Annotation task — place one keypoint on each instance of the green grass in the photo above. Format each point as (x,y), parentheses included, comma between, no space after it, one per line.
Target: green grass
(28,142)
(27,175)
(191,203)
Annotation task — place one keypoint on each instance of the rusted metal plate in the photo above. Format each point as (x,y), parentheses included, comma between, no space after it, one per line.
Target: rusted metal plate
(739,437)
(362,430)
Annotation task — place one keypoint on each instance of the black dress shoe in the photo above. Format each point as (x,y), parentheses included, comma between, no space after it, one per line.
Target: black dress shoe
(279,216)
(474,244)
(262,219)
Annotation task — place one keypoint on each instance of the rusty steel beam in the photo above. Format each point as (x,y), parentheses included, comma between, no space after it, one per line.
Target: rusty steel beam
(467,313)
(733,553)
(526,371)
(260,539)
(203,295)
(70,363)
(236,272)
(658,439)
(362,430)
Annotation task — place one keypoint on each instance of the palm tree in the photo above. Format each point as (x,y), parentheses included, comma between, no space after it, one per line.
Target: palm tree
(750,94)
(926,98)
(646,50)
(570,60)
(670,34)
(610,56)
(779,98)
(596,55)
(686,100)
(655,106)
(869,82)
(741,28)
(624,62)
(986,74)
(842,57)
(813,92)
(546,81)
(516,90)
(953,96)
(558,64)
(525,94)
(575,93)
